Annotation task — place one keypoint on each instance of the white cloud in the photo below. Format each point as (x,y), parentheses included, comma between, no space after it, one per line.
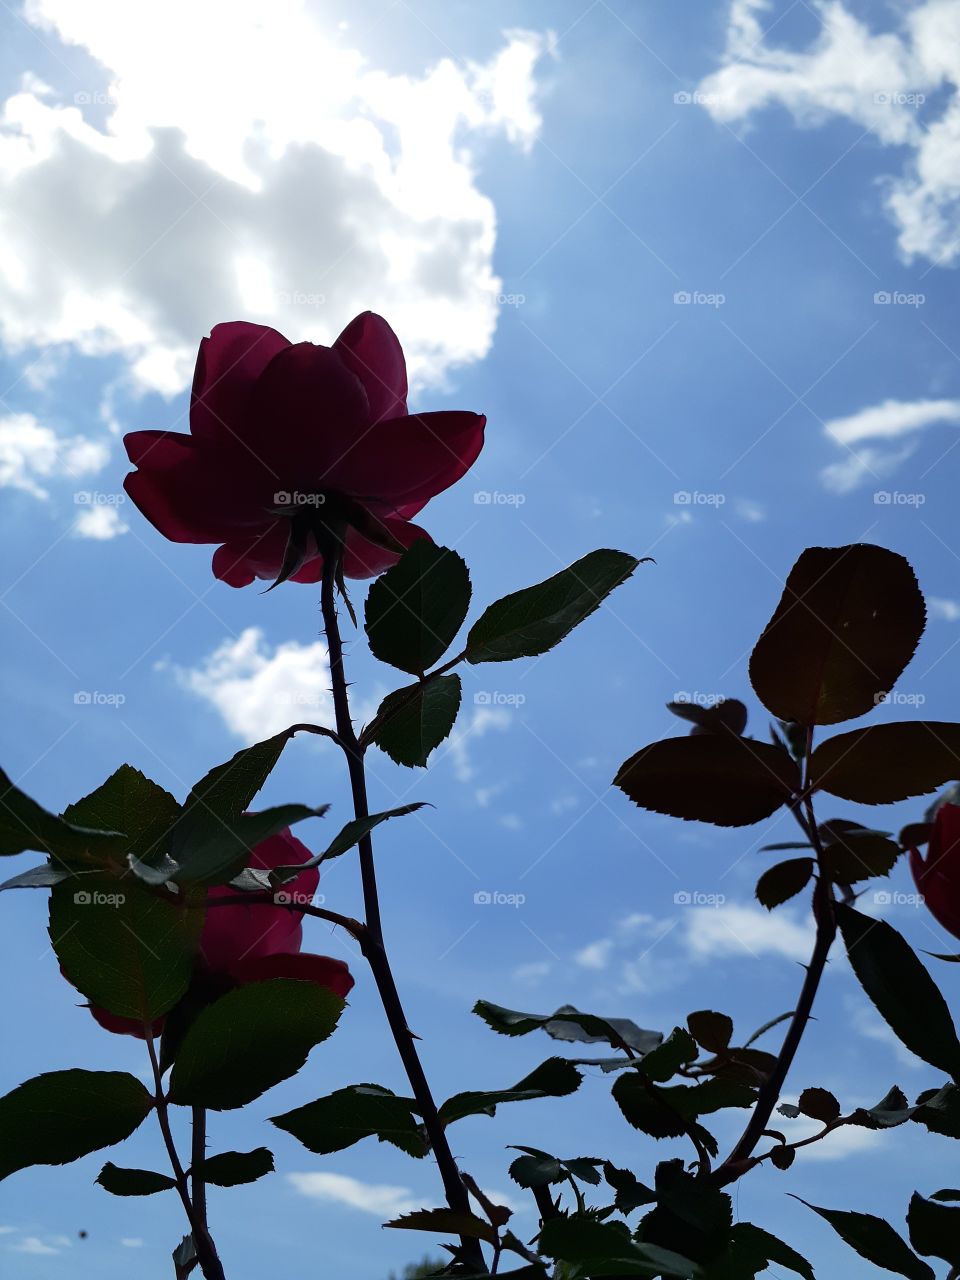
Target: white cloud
(32,454)
(943,610)
(741,929)
(132,1242)
(752,512)
(380,1199)
(596,955)
(532,973)
(273,175)
(882,81)
(890,420)
(33,1245)
(100,522)
(259,690)
(871,1026)
(483,721)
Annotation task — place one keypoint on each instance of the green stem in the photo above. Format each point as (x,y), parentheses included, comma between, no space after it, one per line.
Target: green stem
(371,939)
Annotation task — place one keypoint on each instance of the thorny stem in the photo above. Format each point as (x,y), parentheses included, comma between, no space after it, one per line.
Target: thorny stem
(198,1153)
(203,1243)
(371,936)
(741,1158)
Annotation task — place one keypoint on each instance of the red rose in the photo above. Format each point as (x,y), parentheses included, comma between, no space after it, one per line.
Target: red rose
(241,943)
(938,878)
(276,424)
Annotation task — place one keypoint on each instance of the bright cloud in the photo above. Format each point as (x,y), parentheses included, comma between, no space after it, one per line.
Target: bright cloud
(942,610)
(882,81)
(132,218)
(31,455)
(35,1246)
(741,929)
(99,522)
(380,1199)
(259,690)
(865,437)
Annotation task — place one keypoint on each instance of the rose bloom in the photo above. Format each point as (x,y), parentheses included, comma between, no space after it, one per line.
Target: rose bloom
(938,877)
(283,431)
(243,943)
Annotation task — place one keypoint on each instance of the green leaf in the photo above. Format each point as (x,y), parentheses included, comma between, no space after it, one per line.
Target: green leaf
(729,781)
(606,1249)
(44,876)
(631,1194)
(417,719)
(236,1168)
(948,1193)
(750,1245)
(874,1239)
(666,1060)
(853,853)
(819,1104)
(134,804)
(847,624)
(939,1111)
(555,1078)
(887,762)
(62,1115)
(354,832)
(529,622)
(446,1220)
(133,1182)
(784,881)
(536,1168)
(214,835)
(361,1111)
(890,1111)
(712,1031)
(569,1024)
(249,1040)
(726,715)
(127,949)
(647,1108)
(414,610)
(900,987)
(24,824)
(934,1229)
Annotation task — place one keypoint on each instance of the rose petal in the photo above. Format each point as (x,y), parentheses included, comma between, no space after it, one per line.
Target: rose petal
(123,1026)
(306,408)
(229,362)
(371,350)
(409,460)
(182,494)
(324,971)
(364,559)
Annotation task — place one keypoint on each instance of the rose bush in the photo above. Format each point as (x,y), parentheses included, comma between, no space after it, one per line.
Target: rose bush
(285,434)
(243,943)
(938,875)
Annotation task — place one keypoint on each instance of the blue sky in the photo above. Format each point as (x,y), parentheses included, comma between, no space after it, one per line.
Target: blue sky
(528,192)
